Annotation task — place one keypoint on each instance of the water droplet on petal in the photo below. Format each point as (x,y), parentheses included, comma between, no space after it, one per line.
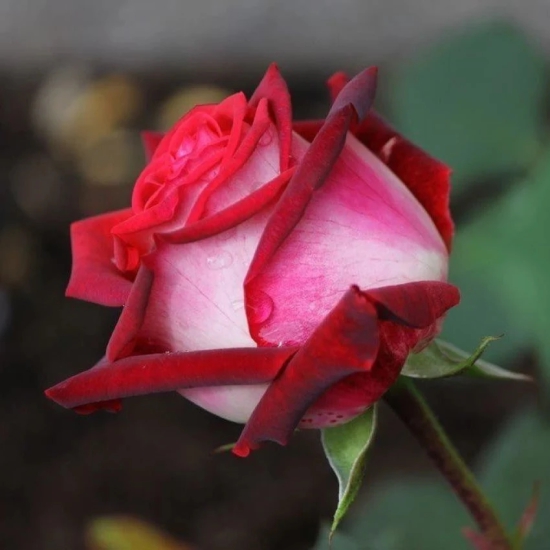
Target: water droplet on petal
(266,138)
(237,305)
(261,305)
(219,261)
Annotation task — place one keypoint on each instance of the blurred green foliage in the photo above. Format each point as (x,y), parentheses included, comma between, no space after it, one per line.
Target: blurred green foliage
(474,101)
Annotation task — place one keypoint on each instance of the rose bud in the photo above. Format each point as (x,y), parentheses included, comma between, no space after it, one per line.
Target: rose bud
(274,273)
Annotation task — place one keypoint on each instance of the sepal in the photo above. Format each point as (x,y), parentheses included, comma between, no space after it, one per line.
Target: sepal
(346,449)
(441,359)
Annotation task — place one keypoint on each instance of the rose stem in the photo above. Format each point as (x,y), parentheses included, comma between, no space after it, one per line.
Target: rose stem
(410,406)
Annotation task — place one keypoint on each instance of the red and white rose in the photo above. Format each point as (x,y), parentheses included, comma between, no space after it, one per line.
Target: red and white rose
(276,273)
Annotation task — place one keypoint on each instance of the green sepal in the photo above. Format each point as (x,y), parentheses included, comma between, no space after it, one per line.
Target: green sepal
(346,449)
(441,359)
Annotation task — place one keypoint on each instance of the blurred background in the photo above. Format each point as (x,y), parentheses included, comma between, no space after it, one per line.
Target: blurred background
(78,81)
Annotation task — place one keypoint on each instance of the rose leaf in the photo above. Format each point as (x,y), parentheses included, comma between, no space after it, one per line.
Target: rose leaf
(441,359)
(346,449)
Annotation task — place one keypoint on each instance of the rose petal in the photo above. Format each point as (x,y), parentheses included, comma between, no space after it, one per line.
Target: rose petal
(144,374)
(231,216)
(129,323)
(416,305)
(426,177)
(273,87)
(197,297)
(345,342)
(314,168)
(250,167)
(363,226)
(355,353)
(94,277)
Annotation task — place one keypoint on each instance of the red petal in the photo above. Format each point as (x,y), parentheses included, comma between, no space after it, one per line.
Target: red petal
(416,305)
(363,337)
(344,343)
(94,276)
(232,216)
(150,142)
(122,340)
(314,167)
(143,374)
(358,92)
(273,87)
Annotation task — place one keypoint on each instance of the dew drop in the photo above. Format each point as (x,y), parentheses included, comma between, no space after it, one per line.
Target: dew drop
(266,138)
(262,306)
(219,261)
(237,305)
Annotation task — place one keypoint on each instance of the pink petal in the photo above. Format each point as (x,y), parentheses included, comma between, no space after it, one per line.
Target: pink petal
(362,227)
(144,374)
(427,178)
(197,297)
(94,277)
(345,342)
(314,168)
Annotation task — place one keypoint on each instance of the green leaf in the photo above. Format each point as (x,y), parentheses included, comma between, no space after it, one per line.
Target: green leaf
(441,359)
(127,533)
(519,458)
(346,449)
(475,100)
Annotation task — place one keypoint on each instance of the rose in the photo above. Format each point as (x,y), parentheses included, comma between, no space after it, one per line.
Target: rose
(275,274)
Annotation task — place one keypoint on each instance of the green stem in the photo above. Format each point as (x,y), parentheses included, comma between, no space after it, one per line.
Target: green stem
(407,402)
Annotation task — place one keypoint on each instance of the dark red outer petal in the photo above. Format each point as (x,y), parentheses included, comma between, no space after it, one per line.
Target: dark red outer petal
(94,277)
(416,305)
(162,372)
(121,343)
(150,142)
(375,327)
(358,92)
(231,216)
(345,342)
(273,87)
